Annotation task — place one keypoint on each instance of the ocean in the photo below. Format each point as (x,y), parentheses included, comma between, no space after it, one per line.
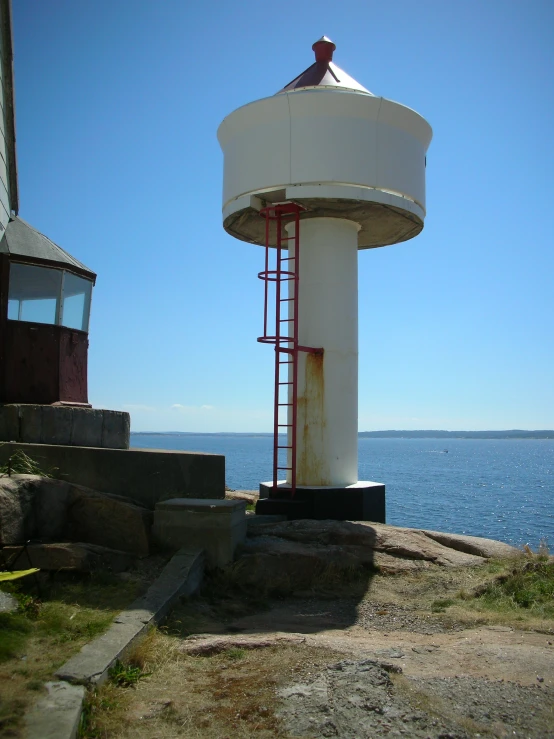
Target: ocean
(498,488)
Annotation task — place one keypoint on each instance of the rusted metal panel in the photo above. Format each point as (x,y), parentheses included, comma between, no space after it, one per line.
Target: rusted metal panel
(43,364)
(312,466)
(73,366)
(32,363)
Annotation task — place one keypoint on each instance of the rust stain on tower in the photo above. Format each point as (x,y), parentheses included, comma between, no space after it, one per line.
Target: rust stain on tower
(312,462)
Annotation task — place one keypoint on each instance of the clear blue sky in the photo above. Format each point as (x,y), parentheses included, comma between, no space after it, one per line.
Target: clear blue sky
(117,108)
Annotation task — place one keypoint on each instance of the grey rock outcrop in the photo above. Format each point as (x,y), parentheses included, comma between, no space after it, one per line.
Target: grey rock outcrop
(45,510)
(301,550)
(68,556)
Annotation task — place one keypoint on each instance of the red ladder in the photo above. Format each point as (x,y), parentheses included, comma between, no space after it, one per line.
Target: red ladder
(285,338)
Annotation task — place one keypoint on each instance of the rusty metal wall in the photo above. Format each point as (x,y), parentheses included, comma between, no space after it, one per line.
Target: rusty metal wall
(73,365)
(43,364)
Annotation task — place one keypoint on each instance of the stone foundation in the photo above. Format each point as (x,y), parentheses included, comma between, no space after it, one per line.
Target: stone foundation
(64,425)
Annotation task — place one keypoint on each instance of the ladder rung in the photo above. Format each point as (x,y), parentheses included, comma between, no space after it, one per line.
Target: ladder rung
(284,468)
(286,320)
(285,383)
(287,425)
(284,403)
(284,447)
(285,300)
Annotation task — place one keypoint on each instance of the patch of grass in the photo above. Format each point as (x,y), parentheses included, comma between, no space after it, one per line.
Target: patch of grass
(11,715)
(230,694)
(14,630)
(102,702)
(529,587)
(42,635)
(441,604)
(125,675)
(20,463)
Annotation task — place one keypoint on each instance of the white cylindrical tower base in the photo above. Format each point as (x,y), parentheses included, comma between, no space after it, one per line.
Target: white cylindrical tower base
(327,411)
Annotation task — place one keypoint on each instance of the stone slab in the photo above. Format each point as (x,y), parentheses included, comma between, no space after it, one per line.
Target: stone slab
(144,475)
(363,501)
(218,526)
(256,520)
(67,425)
(8,604)
(56,715)
(180,577)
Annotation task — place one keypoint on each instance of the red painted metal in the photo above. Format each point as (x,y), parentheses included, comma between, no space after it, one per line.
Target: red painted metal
(285,338)
(323,72)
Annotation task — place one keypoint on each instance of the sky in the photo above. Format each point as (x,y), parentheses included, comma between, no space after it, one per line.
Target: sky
(117,108)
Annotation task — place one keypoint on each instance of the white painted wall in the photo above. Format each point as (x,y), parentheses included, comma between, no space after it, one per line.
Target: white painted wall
(327,421)
(324,137)
(4,181)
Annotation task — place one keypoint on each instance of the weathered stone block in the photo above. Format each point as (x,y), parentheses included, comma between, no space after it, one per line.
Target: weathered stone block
(87,427)
(56,426)
(116,430)
(9,422)
(30,424)
(217,526)
(108,520)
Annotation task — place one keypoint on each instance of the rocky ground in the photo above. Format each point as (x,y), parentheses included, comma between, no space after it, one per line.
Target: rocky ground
(300,638)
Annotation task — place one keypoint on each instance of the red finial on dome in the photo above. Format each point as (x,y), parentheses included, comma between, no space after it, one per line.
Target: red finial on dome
(324,49)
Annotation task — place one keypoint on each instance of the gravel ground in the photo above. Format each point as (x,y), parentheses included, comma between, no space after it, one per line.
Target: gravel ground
(392,617)
(355,699)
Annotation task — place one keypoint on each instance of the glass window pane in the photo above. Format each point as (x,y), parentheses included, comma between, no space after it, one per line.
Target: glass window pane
(76,302)
(13,310)
(35,291)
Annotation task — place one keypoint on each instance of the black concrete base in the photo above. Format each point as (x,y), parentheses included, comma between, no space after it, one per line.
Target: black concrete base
(364,501)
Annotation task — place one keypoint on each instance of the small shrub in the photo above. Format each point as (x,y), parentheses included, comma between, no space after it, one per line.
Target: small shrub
(28,606)
(14,629)
(235,653)
(439,606)
(21,464)
(126,675)
(529,587)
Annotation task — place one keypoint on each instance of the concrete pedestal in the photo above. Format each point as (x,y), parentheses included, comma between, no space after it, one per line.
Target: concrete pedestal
(216,526)
(28,423)
(362,501)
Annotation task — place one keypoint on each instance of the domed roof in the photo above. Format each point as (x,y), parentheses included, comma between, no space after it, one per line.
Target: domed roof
(324,73)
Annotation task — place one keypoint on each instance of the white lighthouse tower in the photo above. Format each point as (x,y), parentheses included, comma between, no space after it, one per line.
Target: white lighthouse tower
(314,173)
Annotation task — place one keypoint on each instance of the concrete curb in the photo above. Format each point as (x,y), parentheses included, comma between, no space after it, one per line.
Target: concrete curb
(180,577)
(57,715)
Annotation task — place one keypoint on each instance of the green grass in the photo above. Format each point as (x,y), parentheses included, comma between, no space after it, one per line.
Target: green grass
(20,464)
(528,588)
(45,632)
(14,630)
(126,675)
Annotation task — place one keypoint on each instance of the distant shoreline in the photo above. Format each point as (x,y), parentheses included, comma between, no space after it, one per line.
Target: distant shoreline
(513,434)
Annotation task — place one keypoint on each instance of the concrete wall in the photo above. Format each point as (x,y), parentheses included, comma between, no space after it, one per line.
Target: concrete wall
(146,476)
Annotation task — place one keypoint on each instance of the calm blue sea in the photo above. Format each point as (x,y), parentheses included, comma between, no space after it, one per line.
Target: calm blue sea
(501,489)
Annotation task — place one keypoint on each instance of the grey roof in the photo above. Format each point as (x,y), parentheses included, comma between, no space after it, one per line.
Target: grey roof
(20,239)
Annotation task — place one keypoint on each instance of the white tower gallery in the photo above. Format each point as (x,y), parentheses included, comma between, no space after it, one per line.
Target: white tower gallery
(316,172)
